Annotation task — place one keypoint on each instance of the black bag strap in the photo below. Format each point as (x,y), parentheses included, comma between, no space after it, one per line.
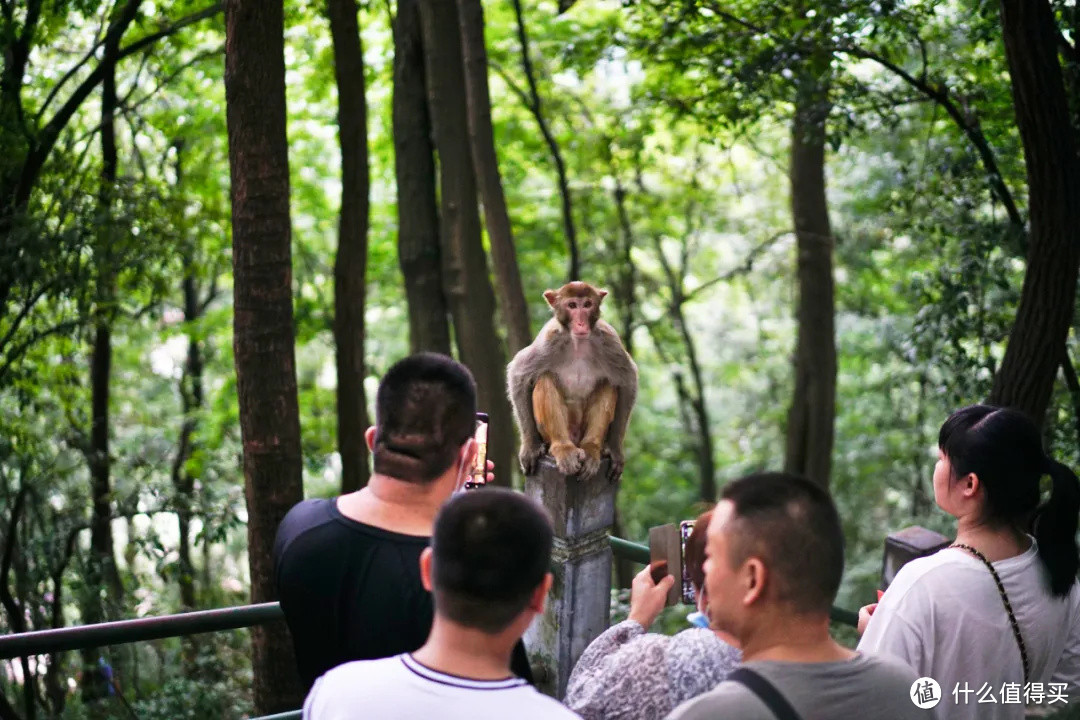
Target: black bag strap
(766,692)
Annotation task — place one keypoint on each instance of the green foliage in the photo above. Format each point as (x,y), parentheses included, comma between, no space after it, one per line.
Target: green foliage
(676,110)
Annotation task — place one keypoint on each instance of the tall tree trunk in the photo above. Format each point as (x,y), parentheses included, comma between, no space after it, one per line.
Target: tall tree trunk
(1047,300)
(627,272)
(574,271)
(465,274)
(102,578)
(350,266)
(813,407)
(418,214)
(191,402)
(263,316)
(485,160)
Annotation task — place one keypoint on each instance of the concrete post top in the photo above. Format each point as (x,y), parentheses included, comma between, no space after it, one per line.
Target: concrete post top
(577,507)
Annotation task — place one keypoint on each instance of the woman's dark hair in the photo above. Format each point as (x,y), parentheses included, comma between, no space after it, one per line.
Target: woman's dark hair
(695,550)
(1003,448)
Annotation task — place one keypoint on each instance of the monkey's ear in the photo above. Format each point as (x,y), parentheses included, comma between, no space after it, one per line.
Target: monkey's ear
(551,296)
(602,293)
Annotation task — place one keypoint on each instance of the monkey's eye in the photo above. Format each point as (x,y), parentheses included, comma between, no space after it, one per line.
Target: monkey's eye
(572,305)
(588,304)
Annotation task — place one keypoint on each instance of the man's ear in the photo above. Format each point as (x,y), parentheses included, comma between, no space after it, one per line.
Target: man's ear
(755,577)
(425,568)
(369,438)
(551,296)
(539,597)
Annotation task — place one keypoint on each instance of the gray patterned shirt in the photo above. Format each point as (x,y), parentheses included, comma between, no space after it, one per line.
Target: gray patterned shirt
(628,674)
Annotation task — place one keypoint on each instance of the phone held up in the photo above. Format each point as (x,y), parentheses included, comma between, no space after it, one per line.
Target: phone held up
(478,472)
(667,549)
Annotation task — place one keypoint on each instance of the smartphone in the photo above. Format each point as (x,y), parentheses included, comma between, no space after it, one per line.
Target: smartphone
(478,473)
(685,528)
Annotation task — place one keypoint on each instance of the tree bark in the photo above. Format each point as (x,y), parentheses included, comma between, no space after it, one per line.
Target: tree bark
(263,316)
(465,274)
(627,272)
(1047,300)
(350,266)
(574,271)
(813,407)
(191,401)
(485,160)
(102,578)
(418,214)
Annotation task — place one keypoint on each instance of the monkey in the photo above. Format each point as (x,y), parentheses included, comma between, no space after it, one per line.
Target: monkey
(573,388)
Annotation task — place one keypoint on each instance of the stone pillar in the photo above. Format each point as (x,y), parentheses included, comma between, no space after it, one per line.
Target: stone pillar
(578,606)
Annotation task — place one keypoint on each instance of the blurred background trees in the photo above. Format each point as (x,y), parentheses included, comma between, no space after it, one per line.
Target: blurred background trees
(823,227)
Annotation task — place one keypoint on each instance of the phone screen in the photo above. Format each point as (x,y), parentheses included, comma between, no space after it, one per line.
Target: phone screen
(685,528)
(478,473)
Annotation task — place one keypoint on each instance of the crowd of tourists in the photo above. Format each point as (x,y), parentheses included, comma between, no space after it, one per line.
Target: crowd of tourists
(408,599)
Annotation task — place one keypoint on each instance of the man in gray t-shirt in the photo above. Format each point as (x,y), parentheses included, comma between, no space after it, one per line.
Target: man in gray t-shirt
(774,557)
(865,686)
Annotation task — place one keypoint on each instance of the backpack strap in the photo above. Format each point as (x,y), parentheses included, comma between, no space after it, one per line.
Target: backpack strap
(766,692)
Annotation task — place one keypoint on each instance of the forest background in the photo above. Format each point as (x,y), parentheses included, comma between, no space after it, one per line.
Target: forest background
(823,226)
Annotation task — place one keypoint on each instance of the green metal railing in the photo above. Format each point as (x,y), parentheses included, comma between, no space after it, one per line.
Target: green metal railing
(120,632)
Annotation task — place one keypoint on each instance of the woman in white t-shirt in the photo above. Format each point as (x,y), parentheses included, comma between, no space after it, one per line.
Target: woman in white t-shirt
(994,618)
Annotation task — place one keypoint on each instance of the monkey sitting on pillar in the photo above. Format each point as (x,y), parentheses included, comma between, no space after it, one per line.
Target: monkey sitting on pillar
(574,387)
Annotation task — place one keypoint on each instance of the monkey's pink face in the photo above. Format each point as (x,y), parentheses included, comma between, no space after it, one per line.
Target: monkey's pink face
(582,313)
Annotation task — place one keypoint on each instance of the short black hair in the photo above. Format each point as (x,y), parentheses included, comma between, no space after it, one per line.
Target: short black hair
(425,410)
(491,549)
(792,525)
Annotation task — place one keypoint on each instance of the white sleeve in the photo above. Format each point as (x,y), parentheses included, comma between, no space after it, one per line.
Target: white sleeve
(896,628)
(310,700)
(1068,667)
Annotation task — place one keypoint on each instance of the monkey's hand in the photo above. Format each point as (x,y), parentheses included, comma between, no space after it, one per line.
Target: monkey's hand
(528,456)
(618,461)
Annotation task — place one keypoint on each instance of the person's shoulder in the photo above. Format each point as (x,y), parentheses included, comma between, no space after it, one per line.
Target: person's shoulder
(354,681)
(698,647)
(728,699)
(530,704)
(886,668)
(304,515)
(923,576)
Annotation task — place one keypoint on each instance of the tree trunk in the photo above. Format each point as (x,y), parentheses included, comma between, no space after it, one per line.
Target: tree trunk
(1047,300)
(465,274)
(813,407)
(102,578)
(191,401)
(574,271)
(485,160)
(418,213)
(263,317)
(627,272)
(350,266)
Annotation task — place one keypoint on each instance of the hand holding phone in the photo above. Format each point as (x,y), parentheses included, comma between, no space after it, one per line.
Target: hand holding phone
(478,472)
(647,597)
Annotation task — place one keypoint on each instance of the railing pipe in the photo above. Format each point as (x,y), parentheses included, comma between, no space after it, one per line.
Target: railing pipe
(118,632)
(40,642)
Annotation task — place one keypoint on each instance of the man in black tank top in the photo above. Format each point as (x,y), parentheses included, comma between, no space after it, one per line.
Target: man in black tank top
(347,570)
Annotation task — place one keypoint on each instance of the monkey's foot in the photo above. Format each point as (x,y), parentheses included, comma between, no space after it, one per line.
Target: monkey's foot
(593,458)
(568,457)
